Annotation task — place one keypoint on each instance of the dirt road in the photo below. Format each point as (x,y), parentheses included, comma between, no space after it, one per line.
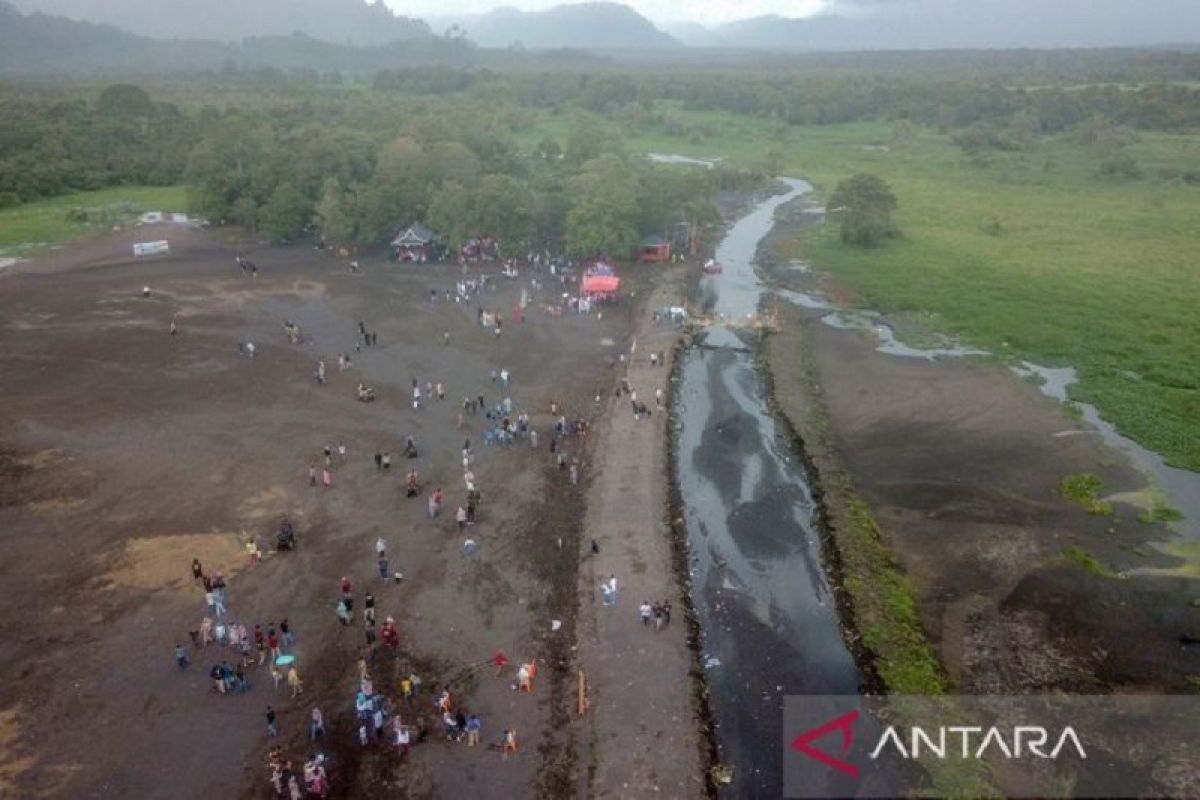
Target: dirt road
(641,732)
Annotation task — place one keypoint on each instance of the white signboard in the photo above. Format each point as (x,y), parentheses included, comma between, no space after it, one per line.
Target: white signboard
(150,248)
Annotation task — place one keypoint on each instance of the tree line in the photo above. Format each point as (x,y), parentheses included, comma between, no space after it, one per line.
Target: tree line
(457,170)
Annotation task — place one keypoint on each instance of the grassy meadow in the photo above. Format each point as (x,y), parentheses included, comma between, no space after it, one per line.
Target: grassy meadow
(33,227)
(1030,254)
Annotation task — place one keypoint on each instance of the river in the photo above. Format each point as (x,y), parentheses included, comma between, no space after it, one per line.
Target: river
(768,618)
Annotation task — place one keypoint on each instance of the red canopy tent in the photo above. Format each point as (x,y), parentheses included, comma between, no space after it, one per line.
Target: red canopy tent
(601,284)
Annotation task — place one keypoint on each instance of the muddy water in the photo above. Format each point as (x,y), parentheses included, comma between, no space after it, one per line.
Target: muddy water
(768,617)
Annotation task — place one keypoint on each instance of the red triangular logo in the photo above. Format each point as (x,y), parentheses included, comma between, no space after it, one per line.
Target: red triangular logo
(844,723)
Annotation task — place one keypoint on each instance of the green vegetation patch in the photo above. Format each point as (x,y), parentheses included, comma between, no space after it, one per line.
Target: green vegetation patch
(1084,489)
(1086,561)
(33,227)
(884,604)
(1160,513)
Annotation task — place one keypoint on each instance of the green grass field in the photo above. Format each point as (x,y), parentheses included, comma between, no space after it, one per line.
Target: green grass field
(34,227)
(1029,254)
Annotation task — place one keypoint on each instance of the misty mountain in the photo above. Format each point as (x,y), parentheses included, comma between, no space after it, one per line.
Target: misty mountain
(341,21)
(40,44)
(590,26)
(943,24)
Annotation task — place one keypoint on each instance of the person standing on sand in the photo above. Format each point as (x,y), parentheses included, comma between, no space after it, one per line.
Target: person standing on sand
(609,588)
(317,728)
(644,611)
(181,657)
(285,630)
(293,679)
(197,570)
(272,731)
(326,478)
(312,474)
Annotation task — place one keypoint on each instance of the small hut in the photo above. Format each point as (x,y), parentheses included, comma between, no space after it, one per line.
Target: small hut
(654,249)
(416,243)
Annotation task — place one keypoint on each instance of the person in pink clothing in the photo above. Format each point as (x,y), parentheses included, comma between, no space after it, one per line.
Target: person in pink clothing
(326,478)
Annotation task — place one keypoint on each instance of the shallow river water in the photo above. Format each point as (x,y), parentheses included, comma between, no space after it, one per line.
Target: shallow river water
(768,618)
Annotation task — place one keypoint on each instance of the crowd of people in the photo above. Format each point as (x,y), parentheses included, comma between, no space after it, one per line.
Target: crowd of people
(244,652)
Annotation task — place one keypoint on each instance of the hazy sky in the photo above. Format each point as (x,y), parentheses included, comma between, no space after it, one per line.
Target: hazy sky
(708,11)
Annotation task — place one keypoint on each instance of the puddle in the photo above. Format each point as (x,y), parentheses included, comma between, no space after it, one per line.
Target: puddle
(805,299)
(888,343)
(674,158)
(1181,486)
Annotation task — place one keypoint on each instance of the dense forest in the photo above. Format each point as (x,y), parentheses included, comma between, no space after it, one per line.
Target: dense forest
(350,159)
(350,168)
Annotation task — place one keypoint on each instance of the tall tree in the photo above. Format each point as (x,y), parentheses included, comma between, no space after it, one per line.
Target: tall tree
(332,214)
(287,212)
(397,194)
(501,209)
(863,205)
(603,216)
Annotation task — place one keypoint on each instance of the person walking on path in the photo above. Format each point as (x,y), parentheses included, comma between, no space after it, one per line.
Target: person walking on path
(181,657)
(317,729)
(326,477)
(294,683)
(474,725)
(312,474)
(644,612)
(272,731)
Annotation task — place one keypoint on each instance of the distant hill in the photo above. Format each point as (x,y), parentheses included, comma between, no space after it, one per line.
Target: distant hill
(41,44)
(944,24)
(340,21)
(589,26)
